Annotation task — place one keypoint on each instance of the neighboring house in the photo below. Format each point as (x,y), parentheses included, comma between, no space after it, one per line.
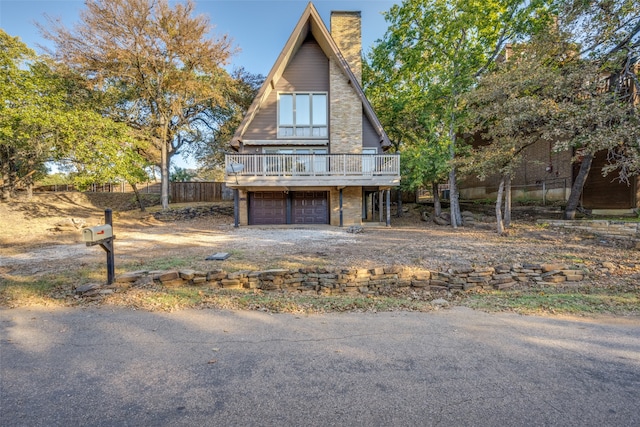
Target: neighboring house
(546,175)
(310,149)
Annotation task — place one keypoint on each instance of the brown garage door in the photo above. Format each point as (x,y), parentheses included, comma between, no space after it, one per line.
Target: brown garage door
(267,207)
(309,207)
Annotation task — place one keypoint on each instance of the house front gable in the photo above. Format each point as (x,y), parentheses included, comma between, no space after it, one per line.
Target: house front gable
(308,72)
(310,65)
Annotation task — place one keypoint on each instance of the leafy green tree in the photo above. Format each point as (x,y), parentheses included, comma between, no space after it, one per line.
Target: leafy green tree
(154,64)
(223,119)
(608,34)
(43,117)
(436,49)
(425,164)
(181,175)
(57,178)
(513,107)
(595,118)
(546,91)
(424,159)
(605,29)
(108,153)
(27,115)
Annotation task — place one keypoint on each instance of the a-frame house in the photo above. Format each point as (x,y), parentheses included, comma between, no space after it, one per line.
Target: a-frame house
(310,149)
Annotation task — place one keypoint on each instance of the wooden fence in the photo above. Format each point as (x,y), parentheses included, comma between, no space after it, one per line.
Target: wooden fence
(107,187)
(179,192)
(191,192)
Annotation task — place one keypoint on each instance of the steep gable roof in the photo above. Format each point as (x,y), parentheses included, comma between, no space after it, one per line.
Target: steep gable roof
(310,22)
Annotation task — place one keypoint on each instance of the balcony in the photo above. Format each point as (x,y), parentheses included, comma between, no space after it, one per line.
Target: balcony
(287,170)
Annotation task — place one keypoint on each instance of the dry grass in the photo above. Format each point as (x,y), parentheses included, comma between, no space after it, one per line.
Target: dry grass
(43,259)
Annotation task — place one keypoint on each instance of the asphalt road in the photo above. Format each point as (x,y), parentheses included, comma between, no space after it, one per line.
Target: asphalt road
(458,367)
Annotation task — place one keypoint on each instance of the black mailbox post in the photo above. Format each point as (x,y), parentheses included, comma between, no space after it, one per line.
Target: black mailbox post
(103,236)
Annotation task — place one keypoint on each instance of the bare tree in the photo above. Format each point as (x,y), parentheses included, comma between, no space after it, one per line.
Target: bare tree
(155,65)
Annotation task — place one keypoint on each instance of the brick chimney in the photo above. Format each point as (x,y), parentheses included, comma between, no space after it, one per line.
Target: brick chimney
(346,30)
(345,112)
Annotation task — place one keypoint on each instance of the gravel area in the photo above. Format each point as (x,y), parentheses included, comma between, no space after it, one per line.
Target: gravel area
(141,241)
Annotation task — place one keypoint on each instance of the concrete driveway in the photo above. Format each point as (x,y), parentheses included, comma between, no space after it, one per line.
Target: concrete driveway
(116,367)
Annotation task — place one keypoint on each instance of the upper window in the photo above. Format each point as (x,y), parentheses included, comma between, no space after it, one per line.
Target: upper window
(302,115)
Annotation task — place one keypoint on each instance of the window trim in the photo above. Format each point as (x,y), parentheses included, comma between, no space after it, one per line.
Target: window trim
(313,149)
(306,163)
(311,125)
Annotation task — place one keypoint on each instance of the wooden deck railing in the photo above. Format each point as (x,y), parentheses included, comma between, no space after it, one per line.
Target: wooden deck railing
(313,165)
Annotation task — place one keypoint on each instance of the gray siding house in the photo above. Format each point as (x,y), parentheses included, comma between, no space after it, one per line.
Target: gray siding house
(310,149)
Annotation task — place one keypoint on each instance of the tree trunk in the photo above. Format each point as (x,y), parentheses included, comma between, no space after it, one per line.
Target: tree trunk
(9,174)
(437,206)
(499,223)
(507,200)
(13,177)
(138,198)
(399,212)
(454,204)
(578,185)
(28,179)
(164,171)
(454,200)
(164,180)
(4,171)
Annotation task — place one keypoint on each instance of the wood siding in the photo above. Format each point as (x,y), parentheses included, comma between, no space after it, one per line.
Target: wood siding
(307,72)
(606,192)
(532,169)
(369,136)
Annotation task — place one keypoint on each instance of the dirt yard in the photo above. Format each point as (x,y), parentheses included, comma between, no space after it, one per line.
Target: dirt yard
(43,236)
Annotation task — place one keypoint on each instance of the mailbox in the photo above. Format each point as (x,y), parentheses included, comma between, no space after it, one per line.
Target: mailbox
(97,233)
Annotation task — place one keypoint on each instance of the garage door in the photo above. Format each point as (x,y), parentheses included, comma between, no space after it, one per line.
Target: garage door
(309,207)
(267,207)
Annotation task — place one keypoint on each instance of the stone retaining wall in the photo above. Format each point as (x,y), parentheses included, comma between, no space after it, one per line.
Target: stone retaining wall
(605,228)
(363,281)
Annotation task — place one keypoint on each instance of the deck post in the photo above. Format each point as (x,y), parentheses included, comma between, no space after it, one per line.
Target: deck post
(341,223)
(389,208)
(236,208)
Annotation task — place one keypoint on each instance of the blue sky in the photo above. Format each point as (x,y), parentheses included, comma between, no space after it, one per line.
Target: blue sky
(260,28)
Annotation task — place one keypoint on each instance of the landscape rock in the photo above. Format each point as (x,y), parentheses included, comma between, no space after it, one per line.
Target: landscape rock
(130,277)
(440,302)
(193,213)
(441,221)
(355,229)
(89,287)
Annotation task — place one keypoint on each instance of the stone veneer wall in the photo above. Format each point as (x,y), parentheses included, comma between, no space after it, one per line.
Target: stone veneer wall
(345,106)
(243,207)
(336,281)
(351,206)
(345,111)
(346,31)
